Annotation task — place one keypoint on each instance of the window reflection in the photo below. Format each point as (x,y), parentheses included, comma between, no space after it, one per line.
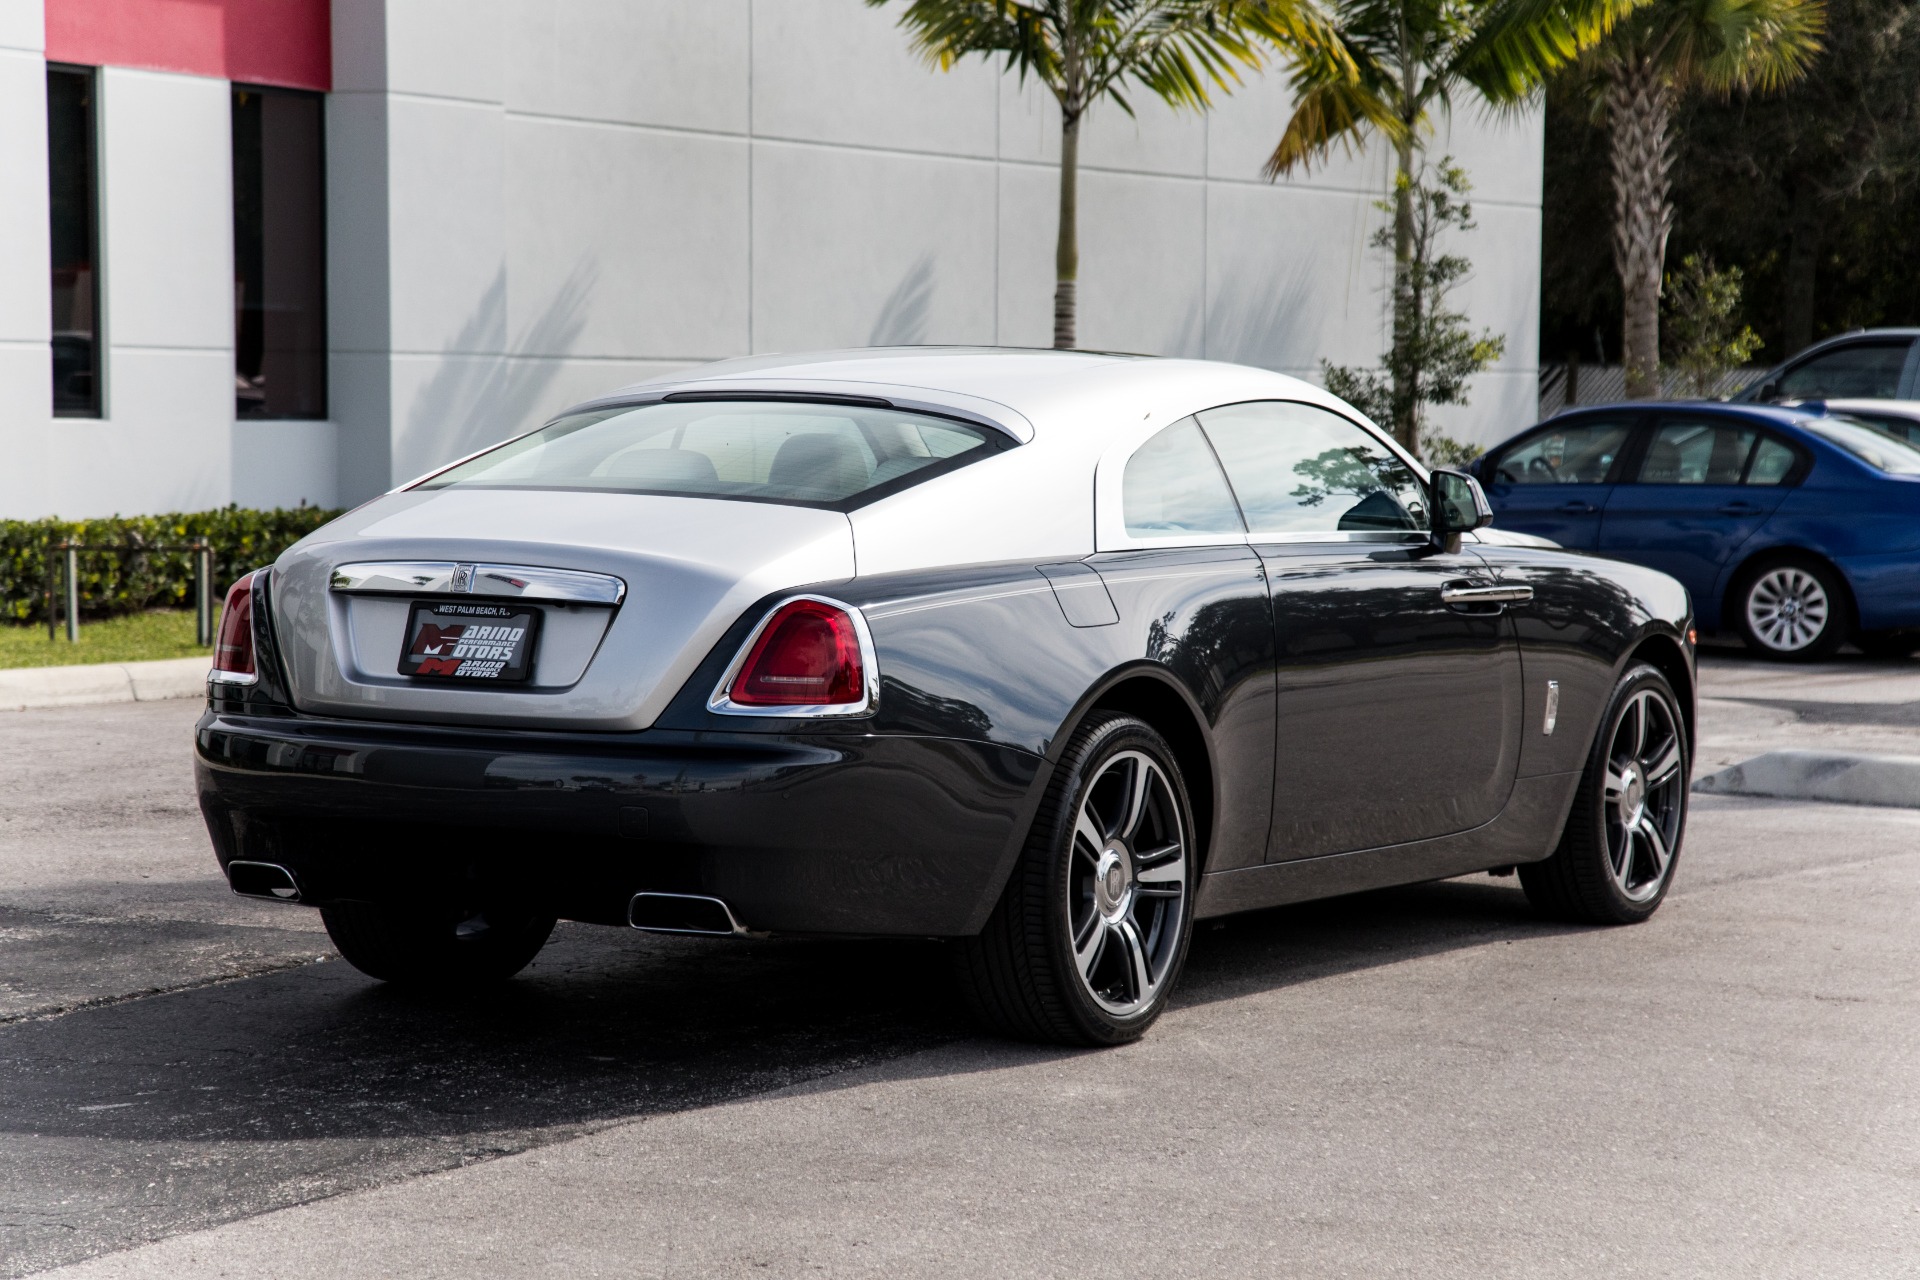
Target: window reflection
(1173,485)
(1297,468)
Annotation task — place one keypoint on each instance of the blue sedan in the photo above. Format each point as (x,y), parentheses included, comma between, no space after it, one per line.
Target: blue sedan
(1796,527)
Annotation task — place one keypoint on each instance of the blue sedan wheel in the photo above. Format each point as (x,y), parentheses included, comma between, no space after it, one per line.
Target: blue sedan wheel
(1793,611)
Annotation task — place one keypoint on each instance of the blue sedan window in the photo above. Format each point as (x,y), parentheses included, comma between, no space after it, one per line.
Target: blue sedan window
(1772,463)
(1875,448)
(1697,453)
(1578,453)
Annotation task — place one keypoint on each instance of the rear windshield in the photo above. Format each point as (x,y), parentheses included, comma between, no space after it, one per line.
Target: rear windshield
(1872,445)
(828,455)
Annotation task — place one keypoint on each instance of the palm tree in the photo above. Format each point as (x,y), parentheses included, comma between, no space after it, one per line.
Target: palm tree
(1664,51)
(1384,66)
(1086,50)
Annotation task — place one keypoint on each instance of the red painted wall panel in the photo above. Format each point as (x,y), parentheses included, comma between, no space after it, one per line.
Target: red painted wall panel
(277,42)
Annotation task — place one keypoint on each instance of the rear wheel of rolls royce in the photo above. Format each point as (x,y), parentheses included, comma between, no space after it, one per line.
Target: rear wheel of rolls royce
(1090,936)
(434,946)
(1616,856)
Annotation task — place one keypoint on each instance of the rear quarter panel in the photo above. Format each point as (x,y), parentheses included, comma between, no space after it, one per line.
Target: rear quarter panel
(1587,617)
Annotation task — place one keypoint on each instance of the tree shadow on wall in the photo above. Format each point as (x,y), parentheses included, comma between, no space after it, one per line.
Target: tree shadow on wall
(486,389)
(1257,317)
(904,316)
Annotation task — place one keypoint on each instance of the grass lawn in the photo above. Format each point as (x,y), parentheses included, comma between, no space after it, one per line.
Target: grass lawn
(162,633)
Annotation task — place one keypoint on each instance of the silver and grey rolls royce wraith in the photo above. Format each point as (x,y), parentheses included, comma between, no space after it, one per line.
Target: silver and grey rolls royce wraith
(1046,653)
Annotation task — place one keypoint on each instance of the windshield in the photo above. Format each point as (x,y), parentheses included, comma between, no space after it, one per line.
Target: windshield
(1872,445)
(768,451)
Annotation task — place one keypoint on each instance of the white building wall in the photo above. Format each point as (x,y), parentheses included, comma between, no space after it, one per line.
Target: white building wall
(26,376)
(589,192)
(533,201)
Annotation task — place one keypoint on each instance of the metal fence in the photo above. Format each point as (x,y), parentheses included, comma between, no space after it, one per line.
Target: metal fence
(63,571)
(1563,386)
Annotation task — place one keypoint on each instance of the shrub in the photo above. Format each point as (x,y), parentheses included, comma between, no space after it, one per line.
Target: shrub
(119,582)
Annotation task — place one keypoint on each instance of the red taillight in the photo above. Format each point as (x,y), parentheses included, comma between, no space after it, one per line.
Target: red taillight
(233,650)
(807,655)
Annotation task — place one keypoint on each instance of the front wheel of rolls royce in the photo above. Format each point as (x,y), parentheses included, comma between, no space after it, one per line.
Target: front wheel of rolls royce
(1616,856)
(1091,934)
(440,947)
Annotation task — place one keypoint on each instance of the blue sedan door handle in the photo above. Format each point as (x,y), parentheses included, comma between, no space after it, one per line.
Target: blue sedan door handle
(1577,507)
(1739,508)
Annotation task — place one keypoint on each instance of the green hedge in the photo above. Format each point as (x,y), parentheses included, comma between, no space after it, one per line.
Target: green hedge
(113,582)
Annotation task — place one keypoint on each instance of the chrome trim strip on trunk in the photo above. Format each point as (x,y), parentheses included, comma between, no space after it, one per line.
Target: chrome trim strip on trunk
(511,581)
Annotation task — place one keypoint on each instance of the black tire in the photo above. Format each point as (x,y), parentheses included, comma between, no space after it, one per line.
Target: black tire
(425,946)
(1588,878)
(1773,600)
(1888,644)
(1128,896)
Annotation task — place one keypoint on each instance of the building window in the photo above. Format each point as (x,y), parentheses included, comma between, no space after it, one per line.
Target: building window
(74,222)
(279,254)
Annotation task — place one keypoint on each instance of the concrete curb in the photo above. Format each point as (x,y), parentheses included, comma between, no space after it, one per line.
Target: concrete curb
(1836,776)
(29,688)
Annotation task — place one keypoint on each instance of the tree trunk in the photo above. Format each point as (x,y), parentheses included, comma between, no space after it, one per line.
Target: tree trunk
(1406,310)
(1066,254)
(1640,123)
(1803,261)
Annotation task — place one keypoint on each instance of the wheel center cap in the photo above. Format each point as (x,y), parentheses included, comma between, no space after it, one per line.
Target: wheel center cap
(1112,878)
(1790,608)
(1633,795)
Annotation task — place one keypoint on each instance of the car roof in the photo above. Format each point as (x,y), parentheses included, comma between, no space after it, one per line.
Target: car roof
(1901,408)
(1785,415)
(1018,389)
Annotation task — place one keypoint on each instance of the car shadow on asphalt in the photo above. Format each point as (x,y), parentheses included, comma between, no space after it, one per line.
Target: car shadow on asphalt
(608,1026)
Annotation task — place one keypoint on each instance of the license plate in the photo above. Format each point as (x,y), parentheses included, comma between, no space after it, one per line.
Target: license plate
(464,640)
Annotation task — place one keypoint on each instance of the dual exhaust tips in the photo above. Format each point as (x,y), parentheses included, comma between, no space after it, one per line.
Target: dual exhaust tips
(686,913)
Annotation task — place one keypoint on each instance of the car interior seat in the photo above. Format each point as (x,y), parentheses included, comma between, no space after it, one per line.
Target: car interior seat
(820,465)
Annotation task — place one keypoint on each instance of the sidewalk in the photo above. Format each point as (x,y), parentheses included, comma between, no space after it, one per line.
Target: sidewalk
(27,688)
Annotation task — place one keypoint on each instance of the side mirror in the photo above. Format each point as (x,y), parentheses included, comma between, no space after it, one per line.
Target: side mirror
(1769,393)
(1459,506)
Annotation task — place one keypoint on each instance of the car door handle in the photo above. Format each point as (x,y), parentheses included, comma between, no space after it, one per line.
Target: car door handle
(1462,593)
(1739,509)
(1576,507)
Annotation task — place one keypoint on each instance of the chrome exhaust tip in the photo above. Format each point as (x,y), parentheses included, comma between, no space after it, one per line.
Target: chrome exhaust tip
(683,913)
(267,880)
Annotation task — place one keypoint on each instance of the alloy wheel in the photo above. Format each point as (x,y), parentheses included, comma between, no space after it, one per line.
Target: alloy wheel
(1127,890)
(1788,609)
(1643,796)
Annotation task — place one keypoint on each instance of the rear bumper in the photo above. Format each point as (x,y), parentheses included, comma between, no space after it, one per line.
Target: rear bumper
(854,834)
(1886,589)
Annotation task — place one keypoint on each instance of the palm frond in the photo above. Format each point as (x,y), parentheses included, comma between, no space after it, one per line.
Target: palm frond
(1753,44)
(1334,113)
(1523,42)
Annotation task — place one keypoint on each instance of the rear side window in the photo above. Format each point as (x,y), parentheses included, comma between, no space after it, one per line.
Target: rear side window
(1697,453)
(1772,462)
(806,454)
(1300,469)
(1900,428)
(1173,484)
(1863,370)
(1580,452)
(1872,446)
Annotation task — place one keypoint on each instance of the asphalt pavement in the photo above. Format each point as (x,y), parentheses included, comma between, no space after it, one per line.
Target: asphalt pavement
(1419,1082)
